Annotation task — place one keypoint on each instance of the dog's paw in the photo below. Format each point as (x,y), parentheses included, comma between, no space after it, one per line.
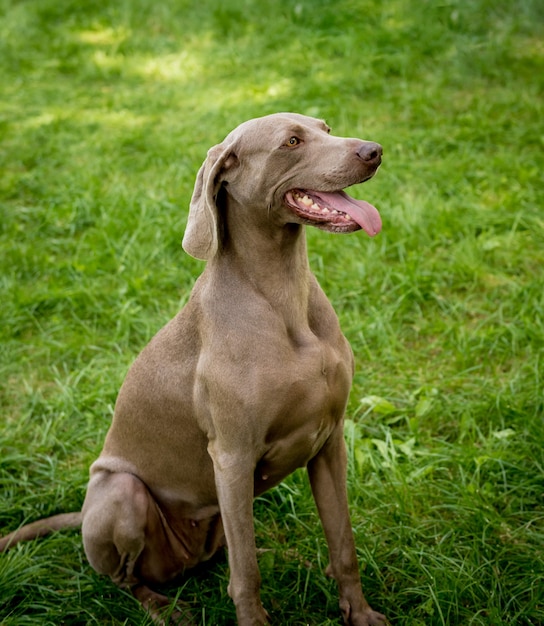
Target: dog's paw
(363,616)
(258,617)
(367,618)
(161,609)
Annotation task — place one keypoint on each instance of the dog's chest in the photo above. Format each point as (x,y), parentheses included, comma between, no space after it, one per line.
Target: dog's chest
(309,404)
(282,381)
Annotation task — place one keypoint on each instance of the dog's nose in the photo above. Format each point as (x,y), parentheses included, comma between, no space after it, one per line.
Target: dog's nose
(370,152)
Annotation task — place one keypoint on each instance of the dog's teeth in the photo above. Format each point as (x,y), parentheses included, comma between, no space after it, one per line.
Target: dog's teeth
(310,204)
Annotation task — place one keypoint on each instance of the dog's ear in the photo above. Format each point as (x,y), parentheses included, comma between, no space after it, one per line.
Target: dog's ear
(201,238)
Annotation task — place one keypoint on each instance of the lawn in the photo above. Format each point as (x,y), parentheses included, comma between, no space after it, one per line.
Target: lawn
(107,111)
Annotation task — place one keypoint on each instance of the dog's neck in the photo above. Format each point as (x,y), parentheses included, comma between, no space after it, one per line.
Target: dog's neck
(271,258)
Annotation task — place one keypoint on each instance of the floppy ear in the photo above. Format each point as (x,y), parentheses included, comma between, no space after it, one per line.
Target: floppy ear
(201,238)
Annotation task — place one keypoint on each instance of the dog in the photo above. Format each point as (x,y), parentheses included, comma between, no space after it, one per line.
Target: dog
(247,383)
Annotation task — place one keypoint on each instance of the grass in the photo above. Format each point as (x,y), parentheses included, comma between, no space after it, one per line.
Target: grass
(107,112)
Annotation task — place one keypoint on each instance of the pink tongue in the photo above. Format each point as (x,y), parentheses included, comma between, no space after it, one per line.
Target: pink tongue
(362,212)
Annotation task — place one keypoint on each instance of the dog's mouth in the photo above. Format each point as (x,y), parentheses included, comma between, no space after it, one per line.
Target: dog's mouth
(335,212)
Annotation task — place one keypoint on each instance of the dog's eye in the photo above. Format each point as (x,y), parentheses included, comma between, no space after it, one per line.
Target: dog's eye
(293,141)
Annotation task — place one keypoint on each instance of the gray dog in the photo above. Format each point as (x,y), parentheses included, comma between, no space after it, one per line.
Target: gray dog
(247,383)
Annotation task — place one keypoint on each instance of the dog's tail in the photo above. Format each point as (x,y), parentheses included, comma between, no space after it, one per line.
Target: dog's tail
(41,528)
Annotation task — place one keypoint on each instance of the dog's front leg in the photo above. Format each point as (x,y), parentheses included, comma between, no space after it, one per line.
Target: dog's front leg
(234,483)
(327,472)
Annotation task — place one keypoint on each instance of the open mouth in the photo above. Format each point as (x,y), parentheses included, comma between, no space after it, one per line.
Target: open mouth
(334,211)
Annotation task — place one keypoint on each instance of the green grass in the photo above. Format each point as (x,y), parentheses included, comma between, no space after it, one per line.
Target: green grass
(106,114)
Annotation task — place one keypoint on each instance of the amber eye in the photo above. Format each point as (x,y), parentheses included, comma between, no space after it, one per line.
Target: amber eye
(294,141)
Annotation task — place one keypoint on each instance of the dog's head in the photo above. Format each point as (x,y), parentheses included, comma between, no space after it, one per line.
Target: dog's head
(291,166)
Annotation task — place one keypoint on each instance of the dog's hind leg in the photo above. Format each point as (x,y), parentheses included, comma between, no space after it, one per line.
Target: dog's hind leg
(115,522)
(126,538)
